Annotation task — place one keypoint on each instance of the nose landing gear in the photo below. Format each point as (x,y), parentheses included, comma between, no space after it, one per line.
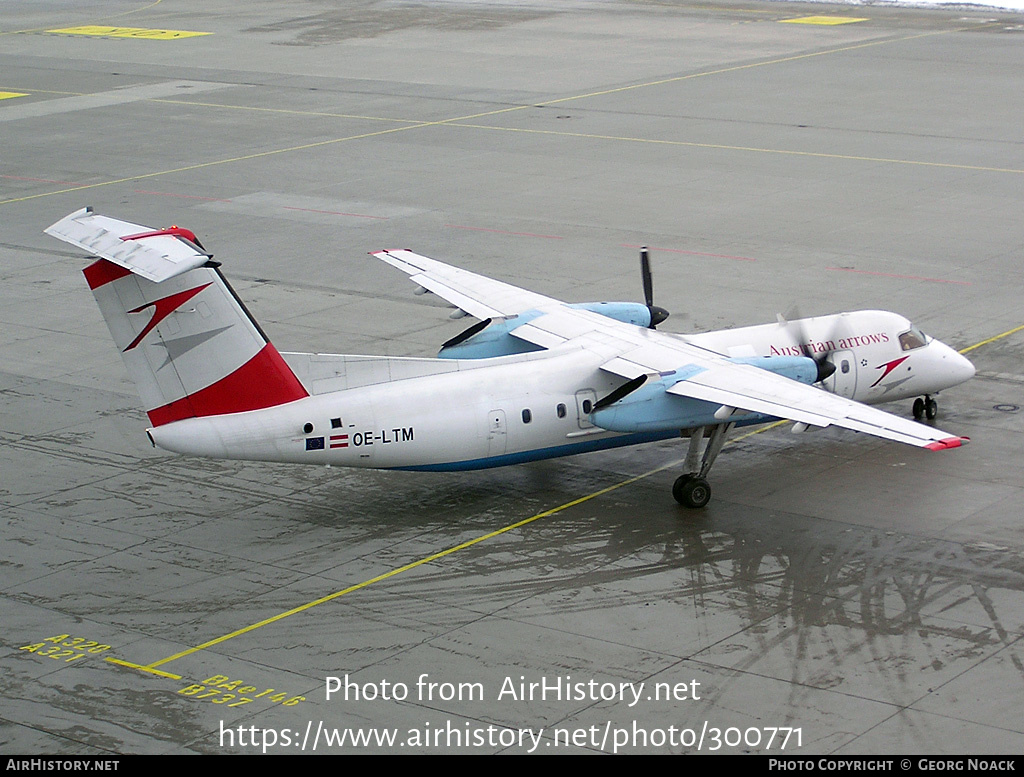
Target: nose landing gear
(925,407)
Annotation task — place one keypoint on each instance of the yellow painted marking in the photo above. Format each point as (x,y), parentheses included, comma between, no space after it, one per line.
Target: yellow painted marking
(760,150)
(142,668)
(822,20)
(52,91)
(111,16)
(136,10)
(412,565)
(128,32)
(592,136)
(8,95)
(217,162)
(455,549)
(286,111)
(457,119)
(1007,333)
(438,555)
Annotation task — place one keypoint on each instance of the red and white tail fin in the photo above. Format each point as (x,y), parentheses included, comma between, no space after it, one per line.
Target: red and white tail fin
(189,344)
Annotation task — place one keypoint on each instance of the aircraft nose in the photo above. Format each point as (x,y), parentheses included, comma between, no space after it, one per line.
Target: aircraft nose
(965,368)
(957,366)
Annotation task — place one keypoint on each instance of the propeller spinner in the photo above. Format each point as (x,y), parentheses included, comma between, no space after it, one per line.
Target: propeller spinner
(821,360)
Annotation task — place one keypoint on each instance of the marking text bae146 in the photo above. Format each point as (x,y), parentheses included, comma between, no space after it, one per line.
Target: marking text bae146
(535,378)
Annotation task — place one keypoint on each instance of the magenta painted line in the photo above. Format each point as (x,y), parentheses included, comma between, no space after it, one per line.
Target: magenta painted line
(182,196)
(40,180)
(336,213)
(692,253)
(904,277)
(503,232)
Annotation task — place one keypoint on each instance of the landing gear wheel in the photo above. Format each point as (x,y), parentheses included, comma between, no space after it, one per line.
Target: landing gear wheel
(918,409)
(691,491)
(931,409)
(678,486)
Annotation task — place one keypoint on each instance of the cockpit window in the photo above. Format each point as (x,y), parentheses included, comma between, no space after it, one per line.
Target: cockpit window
(915,338)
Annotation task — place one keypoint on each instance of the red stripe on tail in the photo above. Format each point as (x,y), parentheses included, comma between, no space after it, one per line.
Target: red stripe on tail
(102,272)
(263,381)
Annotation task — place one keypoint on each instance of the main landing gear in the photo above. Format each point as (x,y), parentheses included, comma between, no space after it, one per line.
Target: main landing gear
(692,489)
(925,407)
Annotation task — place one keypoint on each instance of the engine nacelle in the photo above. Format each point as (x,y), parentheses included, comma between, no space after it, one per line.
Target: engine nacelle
(488,339)
(802,369)
(635,313)
(495,338)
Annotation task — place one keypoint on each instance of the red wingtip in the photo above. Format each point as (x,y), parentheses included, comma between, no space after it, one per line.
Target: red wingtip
(949,442)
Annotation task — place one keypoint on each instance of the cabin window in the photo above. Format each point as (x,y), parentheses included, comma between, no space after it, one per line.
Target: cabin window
(527,416)
(560,410)
(587,406)
(846,366)
(335,423)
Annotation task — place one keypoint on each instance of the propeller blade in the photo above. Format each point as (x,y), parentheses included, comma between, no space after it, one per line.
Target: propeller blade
(461,337)
(646,277)
(626,388)
(657,314)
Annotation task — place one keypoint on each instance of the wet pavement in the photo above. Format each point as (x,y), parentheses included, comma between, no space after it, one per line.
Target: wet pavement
(840,594)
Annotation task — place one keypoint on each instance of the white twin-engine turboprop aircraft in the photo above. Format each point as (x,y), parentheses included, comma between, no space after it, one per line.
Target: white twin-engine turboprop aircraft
(535,378)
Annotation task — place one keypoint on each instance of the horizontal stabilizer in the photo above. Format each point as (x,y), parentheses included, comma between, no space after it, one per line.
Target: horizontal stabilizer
(155,255)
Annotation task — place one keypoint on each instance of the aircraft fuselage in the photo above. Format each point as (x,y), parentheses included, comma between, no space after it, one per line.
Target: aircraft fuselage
(491,412)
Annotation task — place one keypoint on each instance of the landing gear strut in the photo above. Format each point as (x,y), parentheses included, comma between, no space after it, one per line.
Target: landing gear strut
(692,489)
(925,407)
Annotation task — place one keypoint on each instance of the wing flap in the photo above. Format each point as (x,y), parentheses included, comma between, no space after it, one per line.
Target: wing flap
(537,336)
(148,253)
(457,297)
(625,368)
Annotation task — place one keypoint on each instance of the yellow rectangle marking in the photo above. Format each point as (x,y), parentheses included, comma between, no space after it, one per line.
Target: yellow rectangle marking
(128,32)
(142,668)
(823,20)
(8,95)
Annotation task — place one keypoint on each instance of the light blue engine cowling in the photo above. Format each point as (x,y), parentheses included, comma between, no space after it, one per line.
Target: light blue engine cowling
(652,409)
(496,338)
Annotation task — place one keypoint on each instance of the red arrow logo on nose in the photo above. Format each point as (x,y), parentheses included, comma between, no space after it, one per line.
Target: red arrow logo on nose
(889,367)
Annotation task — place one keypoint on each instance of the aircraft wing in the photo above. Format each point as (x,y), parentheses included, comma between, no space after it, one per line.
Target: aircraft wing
(709,377)
(476,294)
(749,388)
(629,351)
